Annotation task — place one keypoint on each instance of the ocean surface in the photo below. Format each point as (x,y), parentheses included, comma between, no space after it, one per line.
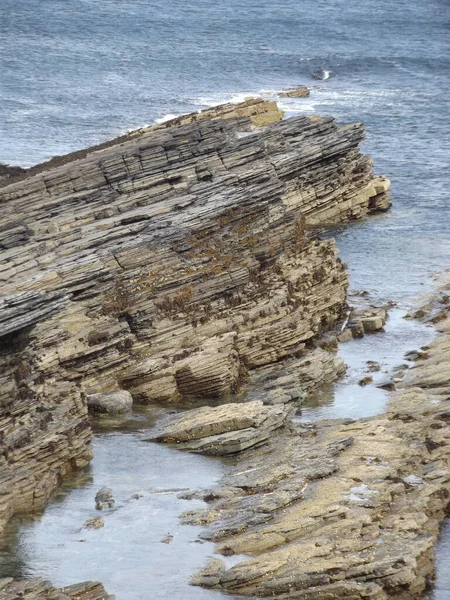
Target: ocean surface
(77,72)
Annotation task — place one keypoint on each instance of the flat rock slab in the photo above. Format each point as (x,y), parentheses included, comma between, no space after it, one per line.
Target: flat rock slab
(300,92)
(225,429)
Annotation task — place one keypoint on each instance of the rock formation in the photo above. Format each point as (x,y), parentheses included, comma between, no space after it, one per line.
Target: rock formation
(226,429)
(300,92)
(111,403)
(342,509)
(38,589)
(7,172)
(168,263)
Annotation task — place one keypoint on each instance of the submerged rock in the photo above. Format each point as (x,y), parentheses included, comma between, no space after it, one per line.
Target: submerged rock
(96,523)
(167,539)
(300,92)
(373,366)
(104,497)
(226,429)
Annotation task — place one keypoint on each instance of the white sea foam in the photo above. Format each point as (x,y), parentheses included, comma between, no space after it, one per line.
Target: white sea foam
(292,108)
(165,118)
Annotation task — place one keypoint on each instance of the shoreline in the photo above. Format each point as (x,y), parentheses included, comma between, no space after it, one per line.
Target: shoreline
(425,428)
(257,356)
(381,483)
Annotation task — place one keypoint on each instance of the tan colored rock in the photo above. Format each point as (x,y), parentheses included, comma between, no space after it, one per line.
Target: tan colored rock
(226,429)
(371,495)
(38,589)
(96,523)
(211,370)
(300,92)
(169,261)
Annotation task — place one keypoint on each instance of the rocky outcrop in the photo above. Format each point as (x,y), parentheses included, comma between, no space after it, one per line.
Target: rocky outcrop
(260,112)
(38,589)
(341,509)
(226,429)
(300,92)
(366,320)
(168,263)
(44,433)
(295,379)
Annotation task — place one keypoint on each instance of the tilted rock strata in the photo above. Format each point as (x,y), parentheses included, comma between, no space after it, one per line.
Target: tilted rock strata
(296,378)
(343,509)
(44,432)
(38,589)
(261,112)
(300,92)
(225,429)
(168,265)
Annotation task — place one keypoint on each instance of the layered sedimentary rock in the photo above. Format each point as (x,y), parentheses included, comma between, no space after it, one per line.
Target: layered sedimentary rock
(170,264)
(226,429)
(261,112)
(342,509)
(38,589)
(300,92)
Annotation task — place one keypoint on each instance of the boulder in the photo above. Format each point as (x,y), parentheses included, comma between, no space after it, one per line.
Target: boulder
(97,523)
(225,429)
(367,320)
(372,318)
(112,403)
(104,497)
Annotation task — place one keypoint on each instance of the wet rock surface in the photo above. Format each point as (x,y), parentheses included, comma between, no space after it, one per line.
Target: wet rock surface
(296,378)
(104,498)
(300,92)
(367,320)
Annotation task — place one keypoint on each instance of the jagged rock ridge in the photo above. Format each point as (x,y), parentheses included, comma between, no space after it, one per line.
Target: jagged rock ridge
(169,265)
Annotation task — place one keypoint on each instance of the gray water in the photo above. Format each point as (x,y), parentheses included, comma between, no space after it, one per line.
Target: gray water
(127,555)
(442,588)
(347,398)
(76,72)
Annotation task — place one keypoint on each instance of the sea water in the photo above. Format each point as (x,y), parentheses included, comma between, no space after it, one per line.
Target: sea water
(77,72)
